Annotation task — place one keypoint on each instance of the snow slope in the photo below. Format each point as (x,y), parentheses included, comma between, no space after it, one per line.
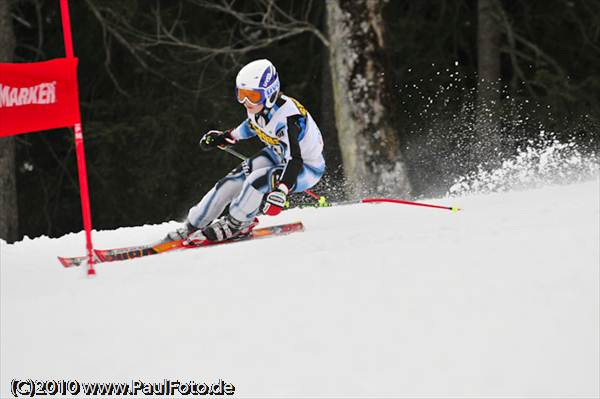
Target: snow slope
(501,299)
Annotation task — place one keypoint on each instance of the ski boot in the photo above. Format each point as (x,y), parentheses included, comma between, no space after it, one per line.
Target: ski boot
(222,229)
(182,233)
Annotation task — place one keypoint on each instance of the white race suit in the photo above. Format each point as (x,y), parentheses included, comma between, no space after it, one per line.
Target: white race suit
(293,155)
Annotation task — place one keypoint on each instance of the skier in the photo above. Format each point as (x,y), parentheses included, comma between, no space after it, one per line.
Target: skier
(292,160)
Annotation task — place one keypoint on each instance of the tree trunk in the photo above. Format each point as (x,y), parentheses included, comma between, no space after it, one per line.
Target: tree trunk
(8,187)
(488,84)
(373,161)
(327,125)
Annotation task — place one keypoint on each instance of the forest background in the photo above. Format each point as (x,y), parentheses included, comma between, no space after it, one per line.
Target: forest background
(410,96)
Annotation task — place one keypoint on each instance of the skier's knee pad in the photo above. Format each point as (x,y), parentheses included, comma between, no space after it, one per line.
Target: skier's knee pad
(266,181)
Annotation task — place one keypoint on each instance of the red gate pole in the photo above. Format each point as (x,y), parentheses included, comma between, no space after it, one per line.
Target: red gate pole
(79,148)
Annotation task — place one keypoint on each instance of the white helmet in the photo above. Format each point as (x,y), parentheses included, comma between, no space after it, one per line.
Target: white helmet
(258,83)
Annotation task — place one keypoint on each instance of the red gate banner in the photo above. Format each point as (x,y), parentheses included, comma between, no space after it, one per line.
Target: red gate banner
(38,96)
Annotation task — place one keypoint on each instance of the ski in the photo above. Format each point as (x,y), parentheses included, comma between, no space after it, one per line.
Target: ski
(75,260)
(111,255)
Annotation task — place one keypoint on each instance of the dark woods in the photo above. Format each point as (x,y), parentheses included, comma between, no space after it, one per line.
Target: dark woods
(457,81)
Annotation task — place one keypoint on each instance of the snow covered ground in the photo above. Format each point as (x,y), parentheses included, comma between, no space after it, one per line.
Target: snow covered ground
(499,300)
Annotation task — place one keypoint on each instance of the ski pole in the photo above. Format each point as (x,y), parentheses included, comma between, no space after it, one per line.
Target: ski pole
(388,200)
(322,201)
(397,201)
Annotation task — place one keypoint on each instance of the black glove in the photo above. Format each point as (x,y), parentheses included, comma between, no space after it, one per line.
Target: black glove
(216,138)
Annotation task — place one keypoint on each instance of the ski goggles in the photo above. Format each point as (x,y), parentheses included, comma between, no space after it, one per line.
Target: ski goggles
(254,97)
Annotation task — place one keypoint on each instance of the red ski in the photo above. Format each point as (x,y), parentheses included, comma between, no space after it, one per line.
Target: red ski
(110,255)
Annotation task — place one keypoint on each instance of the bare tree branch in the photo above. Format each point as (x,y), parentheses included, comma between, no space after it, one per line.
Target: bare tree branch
(255,26)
